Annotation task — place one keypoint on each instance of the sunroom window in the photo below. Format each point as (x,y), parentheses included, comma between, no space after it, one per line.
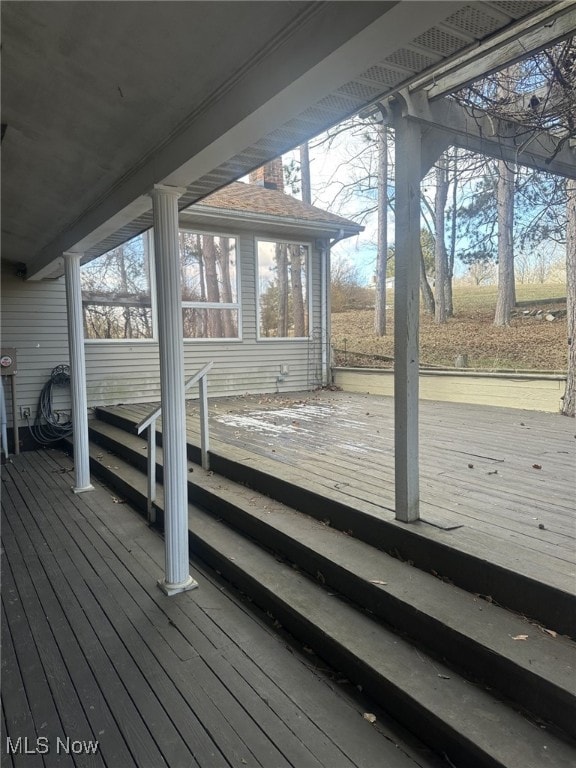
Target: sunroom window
(116,293)
(209,275)
(282,289)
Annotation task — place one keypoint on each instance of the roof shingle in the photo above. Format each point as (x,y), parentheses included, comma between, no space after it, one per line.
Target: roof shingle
(258,200)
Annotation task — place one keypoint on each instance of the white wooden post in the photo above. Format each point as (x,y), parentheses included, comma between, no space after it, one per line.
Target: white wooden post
(77,373)
(324,314)
(170,335)
(406,319)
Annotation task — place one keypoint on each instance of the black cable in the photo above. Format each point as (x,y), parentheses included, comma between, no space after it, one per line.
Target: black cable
(47,427)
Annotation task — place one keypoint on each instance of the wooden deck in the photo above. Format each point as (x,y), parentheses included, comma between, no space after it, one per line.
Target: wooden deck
(92,652)
(494,481)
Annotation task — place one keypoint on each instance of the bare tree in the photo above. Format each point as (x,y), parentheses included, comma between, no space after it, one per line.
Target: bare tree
(440,255)
(223,255)
(506,285)
(212,287)
(282,267)
(481,272)
(538,96)
(382,253)
(426,291)
(297,290)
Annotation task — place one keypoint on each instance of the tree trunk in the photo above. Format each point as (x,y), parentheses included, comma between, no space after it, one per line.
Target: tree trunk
(569,401)
(440,256)
(212,289)
(297,293)
(147,315)
(228,323)
(282,264)
(124,290)
(201,270)
(305,174)
(506,284)
(425,290)
(453,235)
(382,256)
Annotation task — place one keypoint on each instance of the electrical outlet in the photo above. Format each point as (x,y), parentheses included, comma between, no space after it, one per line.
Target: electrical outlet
(25,411)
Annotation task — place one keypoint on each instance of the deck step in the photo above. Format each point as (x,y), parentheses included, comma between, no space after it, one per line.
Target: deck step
(458,719)
(470,565)
(476,637)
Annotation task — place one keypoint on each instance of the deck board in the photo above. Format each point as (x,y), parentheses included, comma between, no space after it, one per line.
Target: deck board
(341,446)
(92,649)
(519,487)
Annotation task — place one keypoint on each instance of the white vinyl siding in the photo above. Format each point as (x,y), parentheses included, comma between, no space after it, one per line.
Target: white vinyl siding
(34,321)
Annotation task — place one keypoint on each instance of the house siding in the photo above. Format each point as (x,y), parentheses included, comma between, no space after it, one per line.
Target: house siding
(120,372)
(34,322)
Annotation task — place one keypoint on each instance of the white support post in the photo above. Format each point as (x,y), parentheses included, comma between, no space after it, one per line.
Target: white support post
(204,430)
(170,335)
(324,317)
(406,320)
(77,373)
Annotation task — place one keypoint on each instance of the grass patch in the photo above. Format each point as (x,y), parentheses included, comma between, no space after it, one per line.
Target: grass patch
(528,344)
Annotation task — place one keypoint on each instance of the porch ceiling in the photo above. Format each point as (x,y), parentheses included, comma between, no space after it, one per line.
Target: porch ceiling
(103,100)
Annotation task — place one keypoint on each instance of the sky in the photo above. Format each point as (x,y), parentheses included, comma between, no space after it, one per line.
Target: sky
(334,167)
(330,169)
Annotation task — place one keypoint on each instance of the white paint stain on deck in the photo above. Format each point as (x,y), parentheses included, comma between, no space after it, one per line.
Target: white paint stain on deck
(315,419)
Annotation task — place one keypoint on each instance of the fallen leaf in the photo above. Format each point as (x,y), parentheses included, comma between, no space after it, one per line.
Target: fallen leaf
(377,581)
(536,466)
(520,637)
(369,716)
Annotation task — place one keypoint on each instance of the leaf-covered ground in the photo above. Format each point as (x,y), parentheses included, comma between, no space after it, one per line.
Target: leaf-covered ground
(531,343)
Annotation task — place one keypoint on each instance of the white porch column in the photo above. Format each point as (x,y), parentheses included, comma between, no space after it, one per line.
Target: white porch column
(170,335)
(325,314)
(77,372)
(406,319)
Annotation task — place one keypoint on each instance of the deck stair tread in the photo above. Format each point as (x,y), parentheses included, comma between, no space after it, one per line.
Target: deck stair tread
(382,576)
(516,577)
(442,510)
(424,689)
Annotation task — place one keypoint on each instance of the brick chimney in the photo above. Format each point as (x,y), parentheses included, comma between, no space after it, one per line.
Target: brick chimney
(270,176)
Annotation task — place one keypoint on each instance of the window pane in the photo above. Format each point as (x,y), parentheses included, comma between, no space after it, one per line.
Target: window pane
(283,289)
(116,293)
(103,321)
(208,264)
(210,323)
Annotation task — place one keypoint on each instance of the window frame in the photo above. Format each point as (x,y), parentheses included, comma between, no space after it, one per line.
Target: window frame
(309,285)
(237,305)
(148,236)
